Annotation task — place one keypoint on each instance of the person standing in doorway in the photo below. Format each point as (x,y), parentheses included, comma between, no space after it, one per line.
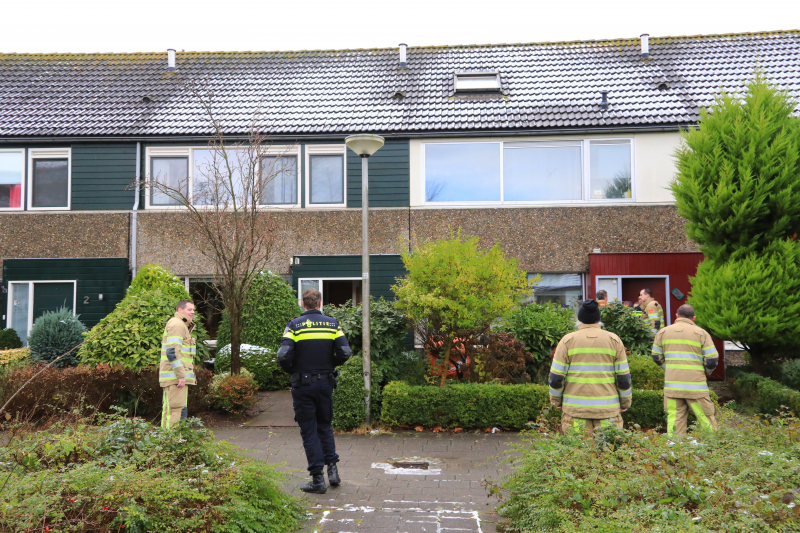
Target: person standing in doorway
(687,354)
(176,368)
(313,345)
(602,298)
(652,311)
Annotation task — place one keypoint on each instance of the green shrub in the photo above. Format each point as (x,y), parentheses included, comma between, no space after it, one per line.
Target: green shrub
(56,333)
(9,340)
(124,474)
(737,479)
(387,332)
(131,335)
(632,329)
(790,374)
(235,394)
(271,303)
(540,327)
(645,374)
(99,387)
(349,410)
(482,405)
(764,395)
(261,362)
(12,357)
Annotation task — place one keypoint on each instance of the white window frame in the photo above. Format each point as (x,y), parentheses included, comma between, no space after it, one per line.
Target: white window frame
(321,280)
(23,185)
(188,152)
(458,76)
(10,301)
(666,305)
(585,173)
(325,149)
(49,153)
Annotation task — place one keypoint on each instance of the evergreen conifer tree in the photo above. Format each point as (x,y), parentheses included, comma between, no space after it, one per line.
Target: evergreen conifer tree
(738,187)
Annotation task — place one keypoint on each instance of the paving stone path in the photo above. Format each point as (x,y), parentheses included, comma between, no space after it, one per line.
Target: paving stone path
(377,497)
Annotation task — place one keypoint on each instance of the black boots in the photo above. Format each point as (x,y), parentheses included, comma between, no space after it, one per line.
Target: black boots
(316,485)
(333,474)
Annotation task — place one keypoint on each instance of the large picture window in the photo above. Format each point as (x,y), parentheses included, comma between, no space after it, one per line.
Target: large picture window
(172,172)
(49,175)
(528,171)
(12,169)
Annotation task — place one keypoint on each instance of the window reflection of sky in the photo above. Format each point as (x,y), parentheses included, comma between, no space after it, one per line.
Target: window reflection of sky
(542,173)
(211,178)
(608,161)
(462,172)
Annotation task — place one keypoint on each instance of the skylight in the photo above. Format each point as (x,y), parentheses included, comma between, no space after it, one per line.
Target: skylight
(477,82)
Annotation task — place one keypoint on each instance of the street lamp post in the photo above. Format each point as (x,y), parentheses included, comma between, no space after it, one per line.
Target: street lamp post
(365,145)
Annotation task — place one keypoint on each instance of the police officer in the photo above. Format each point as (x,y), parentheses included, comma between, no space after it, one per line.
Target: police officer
(313,345)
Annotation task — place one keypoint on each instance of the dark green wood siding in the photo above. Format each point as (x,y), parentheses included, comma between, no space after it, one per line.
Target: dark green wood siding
(384,269)
(388,176)
(101,173)
(107,276)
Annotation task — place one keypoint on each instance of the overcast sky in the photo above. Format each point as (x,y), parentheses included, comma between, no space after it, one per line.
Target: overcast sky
(155,25)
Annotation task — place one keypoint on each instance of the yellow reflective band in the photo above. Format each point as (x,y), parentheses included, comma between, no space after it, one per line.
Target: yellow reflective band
(571,379)
(697,409)
(672,414)
(607,351)
(312,336)
(679,341)
(683,367)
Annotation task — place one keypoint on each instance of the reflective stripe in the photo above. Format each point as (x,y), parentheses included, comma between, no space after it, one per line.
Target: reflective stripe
(683,356)
(165,414)
(701,416)
(167,375)
(190,375)
(176,363)
(597,402)
(626,393)
(591,368)
(312,336)
(709,351)
(657,349)
(554,392)
(619,368)
(679,341)
(571,379)
(676,366)
(672,415)
(559,367)
(606,351)
(174,340)
(686,385)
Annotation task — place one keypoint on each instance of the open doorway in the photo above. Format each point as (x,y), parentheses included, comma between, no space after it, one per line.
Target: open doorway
(627,288)
(207,304)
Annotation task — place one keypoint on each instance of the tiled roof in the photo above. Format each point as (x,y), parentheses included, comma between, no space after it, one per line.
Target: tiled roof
(544,86)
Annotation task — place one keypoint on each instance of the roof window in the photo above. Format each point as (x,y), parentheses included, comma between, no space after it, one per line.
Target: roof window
(471,82)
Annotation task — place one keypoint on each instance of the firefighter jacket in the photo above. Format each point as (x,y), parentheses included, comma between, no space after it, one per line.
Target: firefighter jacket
(686,352)
(654,314)
(313,343)
(177,352)
(589,377)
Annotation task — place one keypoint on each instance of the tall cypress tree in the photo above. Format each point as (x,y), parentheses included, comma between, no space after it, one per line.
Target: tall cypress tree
(738,187)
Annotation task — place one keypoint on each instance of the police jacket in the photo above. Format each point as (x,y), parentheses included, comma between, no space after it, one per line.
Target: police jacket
(313,343)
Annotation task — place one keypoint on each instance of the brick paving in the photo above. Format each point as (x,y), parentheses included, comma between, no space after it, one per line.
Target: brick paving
(374,497)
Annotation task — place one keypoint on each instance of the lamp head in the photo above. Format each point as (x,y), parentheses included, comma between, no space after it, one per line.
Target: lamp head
(364,144)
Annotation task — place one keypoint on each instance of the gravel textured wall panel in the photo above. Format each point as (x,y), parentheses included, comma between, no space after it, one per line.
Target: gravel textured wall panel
(558,239)
(43,235)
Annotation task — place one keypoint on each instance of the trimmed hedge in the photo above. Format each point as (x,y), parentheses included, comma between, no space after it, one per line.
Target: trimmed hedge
(645,374)
(349,409)
(478,405)
(765,395)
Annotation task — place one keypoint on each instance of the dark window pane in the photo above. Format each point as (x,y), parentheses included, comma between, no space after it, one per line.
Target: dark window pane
(50,186)
(279,180)
(468,172)
(172,172)
(327,179)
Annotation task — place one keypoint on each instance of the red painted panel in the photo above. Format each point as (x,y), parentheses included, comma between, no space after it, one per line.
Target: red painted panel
(679,267)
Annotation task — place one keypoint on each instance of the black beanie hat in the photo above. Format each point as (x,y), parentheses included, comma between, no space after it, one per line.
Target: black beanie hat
(589,312)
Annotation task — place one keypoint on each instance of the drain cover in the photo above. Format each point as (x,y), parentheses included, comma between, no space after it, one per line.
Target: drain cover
(418,465)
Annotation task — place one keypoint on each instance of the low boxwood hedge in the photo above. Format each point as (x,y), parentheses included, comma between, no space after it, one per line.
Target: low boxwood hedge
(478,405)
(765,395)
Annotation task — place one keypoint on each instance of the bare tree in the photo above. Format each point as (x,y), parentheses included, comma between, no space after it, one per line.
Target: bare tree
(227,201)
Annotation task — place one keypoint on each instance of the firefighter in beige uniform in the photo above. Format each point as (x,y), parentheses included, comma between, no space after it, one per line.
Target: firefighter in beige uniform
(652,311)
(176,368)
(687,354)
(589,378)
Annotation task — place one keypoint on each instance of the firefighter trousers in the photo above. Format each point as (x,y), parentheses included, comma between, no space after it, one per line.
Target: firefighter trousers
(174,405)
(678,414)
(589,425)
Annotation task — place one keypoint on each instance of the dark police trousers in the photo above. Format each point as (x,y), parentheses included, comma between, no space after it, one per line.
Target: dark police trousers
(313,411)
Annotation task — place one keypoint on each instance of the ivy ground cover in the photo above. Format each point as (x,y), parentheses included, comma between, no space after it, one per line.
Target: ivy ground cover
(745,477)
